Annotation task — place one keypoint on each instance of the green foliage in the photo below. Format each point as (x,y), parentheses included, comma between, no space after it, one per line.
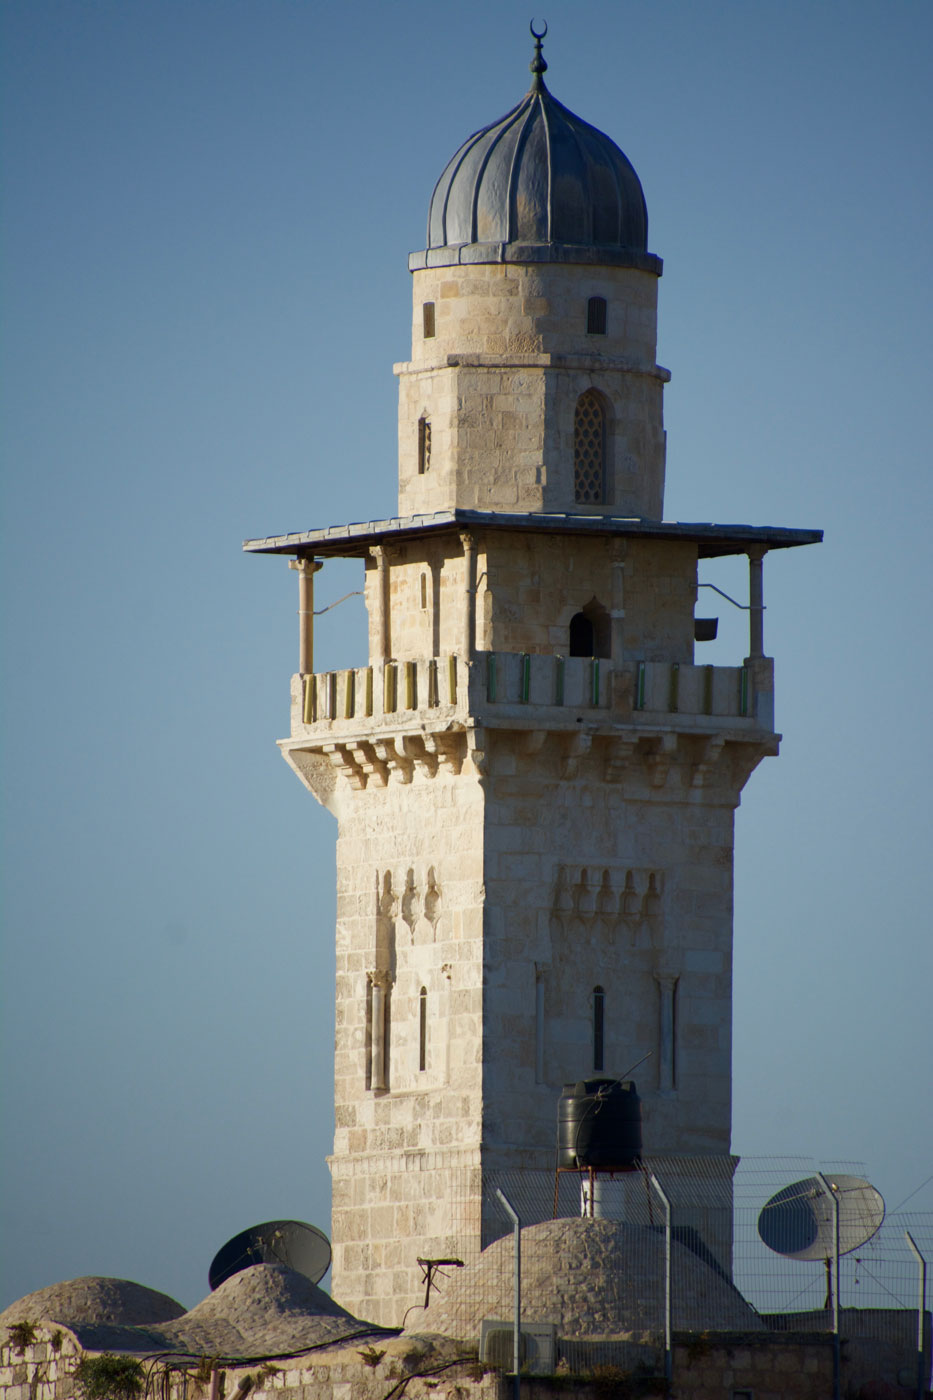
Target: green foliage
(371,1356)
(109,1377)
(21,1335)
(201,1375)
(55,1341)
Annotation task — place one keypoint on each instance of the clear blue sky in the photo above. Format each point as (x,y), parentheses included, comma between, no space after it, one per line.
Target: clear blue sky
(209,208)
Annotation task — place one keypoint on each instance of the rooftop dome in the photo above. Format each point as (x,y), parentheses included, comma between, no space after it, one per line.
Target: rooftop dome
(539,184)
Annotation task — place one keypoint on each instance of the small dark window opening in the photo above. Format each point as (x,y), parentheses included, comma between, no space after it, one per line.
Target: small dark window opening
(599,1027)
(596,316)
(427,319)
(582,638)
(423,1029)
(424,446)
(591,631)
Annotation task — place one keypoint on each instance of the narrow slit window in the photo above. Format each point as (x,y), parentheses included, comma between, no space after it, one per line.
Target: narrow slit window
(427,319)
(423,1029)
(599,1028)
(589,449)
(424,446)
(596,316)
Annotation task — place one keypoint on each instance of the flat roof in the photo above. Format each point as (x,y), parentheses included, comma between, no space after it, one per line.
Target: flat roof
(353,541)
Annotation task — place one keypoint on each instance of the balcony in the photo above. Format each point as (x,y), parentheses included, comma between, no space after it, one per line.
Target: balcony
(503,689)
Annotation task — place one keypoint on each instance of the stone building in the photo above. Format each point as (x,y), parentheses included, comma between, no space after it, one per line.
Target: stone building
(534,775)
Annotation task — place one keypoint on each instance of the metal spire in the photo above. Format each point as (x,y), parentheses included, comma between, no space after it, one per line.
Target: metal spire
(538,64)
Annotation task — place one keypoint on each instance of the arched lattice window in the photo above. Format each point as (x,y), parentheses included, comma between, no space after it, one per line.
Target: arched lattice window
(423,1029)
(589,448)
(424,445)
(599,1027)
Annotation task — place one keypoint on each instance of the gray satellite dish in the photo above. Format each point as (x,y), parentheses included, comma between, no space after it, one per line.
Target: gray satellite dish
(798,1222)
(301,1247)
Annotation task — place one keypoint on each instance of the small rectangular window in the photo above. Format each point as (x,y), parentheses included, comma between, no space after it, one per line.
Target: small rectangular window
(427,319)
(424,446)
(423,1030)
(596,316)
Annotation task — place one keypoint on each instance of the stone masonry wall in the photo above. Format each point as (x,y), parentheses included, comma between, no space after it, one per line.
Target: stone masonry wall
(409,916)
(499,382)
(528,587)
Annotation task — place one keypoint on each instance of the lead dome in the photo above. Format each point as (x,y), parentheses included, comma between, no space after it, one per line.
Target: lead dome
(539,184)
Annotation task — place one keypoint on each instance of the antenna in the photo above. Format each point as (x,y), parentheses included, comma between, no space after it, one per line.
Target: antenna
(798,1221)
(299,1246)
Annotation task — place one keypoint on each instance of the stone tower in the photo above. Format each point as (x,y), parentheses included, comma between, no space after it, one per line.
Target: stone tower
(533,779)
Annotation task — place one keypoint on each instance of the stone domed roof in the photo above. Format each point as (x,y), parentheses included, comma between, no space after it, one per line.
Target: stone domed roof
(542,181)
(94,1300)
(264,1310)
(591,1278)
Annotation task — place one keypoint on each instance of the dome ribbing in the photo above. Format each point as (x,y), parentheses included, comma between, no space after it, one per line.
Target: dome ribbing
(539,184)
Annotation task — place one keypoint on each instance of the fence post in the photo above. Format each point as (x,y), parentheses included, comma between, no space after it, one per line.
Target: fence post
(921,1311)
(668,1339)
(835,1285)
(517,1275)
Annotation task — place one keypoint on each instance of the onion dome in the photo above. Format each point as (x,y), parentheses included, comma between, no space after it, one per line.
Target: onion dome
(538,185)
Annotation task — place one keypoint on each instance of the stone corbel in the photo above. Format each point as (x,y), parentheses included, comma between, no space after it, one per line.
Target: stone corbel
(447,749)
(396,761)
(370,763)
(345,760)
(659,758)
(415,748)
(575,750)
(618,757)
(709,757)
(476,751)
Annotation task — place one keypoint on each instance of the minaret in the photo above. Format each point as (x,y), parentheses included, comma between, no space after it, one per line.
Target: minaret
(533,778)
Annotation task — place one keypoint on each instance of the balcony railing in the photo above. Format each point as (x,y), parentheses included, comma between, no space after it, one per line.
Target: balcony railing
(643,692)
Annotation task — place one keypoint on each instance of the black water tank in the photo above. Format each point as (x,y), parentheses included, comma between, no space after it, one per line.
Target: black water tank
(599,1125)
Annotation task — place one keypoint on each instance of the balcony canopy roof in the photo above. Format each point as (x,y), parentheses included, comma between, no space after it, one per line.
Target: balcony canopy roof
(353,541)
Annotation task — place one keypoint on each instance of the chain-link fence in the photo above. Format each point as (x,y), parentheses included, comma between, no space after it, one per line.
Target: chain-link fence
(612,1265)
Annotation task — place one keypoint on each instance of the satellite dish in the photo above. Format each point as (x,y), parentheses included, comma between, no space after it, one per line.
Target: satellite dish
(301,1247)
(798,1222)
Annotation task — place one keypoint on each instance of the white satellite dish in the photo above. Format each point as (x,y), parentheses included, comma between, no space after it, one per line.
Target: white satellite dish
(799,1221)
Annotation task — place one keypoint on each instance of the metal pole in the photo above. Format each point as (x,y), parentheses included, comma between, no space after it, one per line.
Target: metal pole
(756,643)
(668,1340)
(834,1198)
(921,1311)
(517,1306)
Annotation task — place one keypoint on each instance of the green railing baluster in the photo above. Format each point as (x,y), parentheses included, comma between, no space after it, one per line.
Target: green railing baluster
(559,681)
(594,681)
(743,691)
(490,675)
(525,678)
(673,692)
(707,690)
(369,690)
(452,679)
(640,686)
